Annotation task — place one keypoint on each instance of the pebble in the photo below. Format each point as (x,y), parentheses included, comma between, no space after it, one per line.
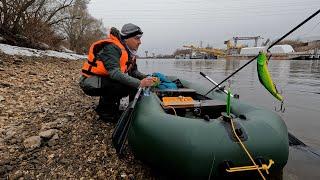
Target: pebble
(32,142)
(54,140)
(70,114)
(50,125)
(9,134)
(18,174)
(2,144)
(48,133)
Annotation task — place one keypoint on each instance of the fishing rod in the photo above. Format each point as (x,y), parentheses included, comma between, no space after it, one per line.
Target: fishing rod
(280,39)
(220,88)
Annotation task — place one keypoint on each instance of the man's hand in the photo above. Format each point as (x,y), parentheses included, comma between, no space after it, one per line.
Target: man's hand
(146,82)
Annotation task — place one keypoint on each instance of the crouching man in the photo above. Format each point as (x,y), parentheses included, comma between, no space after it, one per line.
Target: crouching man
(111,70)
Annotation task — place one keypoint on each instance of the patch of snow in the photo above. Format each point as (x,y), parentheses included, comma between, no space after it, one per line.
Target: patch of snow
(15,50)
(64,55)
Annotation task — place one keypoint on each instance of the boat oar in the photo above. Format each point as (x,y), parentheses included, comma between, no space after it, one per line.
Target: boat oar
(220,88)
(120,125)
(121,130)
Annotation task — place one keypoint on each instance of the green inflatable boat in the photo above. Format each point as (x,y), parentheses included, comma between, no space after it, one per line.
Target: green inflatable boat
(185,133)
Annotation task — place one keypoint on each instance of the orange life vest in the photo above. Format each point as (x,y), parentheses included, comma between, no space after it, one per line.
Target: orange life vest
(95,66)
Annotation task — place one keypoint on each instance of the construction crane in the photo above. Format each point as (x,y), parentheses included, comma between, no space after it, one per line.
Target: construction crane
(235,48)
(209,51)
(255,38)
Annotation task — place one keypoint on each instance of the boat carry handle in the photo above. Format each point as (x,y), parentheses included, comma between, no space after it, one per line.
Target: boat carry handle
(264,167)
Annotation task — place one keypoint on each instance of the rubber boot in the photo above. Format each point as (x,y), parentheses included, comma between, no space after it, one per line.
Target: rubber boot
(108,109)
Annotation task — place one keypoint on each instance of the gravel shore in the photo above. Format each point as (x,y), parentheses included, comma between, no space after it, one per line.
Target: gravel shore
(48,126)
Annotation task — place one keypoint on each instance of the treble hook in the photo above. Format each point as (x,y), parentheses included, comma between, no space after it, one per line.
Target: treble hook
(282,108)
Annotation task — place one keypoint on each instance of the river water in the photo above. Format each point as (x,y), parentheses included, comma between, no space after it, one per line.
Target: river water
(299,82)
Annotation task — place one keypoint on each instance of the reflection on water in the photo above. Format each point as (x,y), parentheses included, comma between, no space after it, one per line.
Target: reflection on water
(298,80)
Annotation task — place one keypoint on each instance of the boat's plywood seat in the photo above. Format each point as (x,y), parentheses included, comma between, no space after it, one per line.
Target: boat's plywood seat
(179,102)
(210,103)
(194,103)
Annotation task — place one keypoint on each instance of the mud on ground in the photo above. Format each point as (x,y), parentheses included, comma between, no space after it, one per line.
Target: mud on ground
(48,126)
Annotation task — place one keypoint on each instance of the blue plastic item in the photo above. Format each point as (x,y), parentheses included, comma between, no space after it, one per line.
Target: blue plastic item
(165,83)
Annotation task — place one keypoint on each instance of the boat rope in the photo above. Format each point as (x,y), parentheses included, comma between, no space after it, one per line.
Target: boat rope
(247,152)
(213,160)
(175,113)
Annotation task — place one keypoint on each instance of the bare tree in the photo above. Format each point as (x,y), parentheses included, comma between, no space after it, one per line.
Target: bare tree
(23,22)
(82,29)
(33,23)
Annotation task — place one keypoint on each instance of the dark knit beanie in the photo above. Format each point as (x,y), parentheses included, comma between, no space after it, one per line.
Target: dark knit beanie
(130,30)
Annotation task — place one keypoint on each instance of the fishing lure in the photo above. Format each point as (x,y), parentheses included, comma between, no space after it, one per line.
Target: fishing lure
(265,77)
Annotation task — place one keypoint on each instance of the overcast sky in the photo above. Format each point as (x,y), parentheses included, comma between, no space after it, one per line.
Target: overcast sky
(168,24)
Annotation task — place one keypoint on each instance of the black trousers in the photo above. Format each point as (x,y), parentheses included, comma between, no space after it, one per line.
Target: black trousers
(110,92)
